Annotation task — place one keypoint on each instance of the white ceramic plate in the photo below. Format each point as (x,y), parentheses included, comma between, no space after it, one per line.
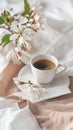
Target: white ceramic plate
(58,87)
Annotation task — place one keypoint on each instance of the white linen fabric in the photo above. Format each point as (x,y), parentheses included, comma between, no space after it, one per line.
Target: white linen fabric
(13,118)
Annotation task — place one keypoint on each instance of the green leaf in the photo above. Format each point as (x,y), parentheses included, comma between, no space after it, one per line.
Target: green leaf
(1,20)
(6,39)
(26,7)
(6,17)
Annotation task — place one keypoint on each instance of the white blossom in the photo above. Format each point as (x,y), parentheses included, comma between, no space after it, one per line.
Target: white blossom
(21,36)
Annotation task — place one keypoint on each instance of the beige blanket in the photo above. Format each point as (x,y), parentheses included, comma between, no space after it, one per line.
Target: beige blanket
(55,114)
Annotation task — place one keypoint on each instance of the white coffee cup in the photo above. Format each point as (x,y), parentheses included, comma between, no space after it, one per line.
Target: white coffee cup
(45,76)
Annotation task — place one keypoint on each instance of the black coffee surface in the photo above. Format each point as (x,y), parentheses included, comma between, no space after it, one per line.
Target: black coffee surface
(44,64)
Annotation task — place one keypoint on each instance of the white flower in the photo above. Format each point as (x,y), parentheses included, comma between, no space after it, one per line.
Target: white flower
(22,29)
(23,44)
(33,93)
(20,35)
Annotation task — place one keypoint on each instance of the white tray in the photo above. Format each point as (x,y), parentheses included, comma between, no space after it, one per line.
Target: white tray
(58,87)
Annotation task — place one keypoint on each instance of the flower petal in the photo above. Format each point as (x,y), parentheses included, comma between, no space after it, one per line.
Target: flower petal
(14,37)
(28,24)
(22,27)
(23,20)
(17,49)
(15,26)
(20,41)
(31,20)
(27,32)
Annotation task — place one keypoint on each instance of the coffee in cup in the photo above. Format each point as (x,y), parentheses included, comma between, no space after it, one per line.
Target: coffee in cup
(44,68)
(44,64)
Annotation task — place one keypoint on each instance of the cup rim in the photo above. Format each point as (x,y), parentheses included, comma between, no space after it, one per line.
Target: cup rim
(45,58)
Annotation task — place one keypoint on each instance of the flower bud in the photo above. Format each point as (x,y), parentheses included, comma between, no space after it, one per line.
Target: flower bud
(3,12)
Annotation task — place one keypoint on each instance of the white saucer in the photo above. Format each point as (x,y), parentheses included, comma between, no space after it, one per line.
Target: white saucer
(58,87)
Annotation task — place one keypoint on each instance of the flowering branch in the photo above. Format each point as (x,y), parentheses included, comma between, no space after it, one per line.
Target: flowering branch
(20,27)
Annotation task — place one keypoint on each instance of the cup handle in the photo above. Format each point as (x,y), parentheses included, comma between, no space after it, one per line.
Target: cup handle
(60,69)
